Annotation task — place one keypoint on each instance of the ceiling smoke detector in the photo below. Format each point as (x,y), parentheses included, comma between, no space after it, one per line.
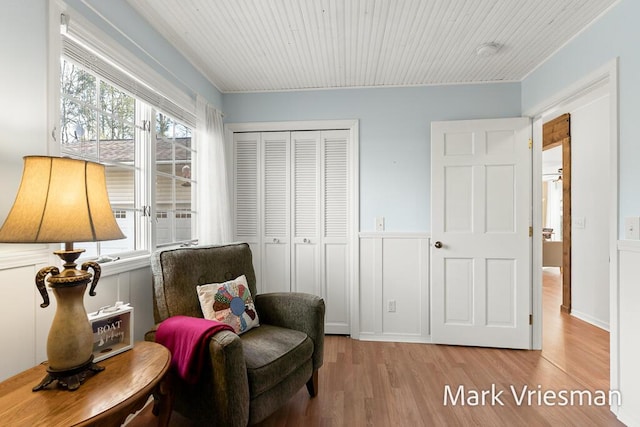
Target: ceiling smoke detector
(487,49)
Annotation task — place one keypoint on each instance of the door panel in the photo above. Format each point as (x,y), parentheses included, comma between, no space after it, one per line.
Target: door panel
(458,291)
(459,202)
(500,198)
(305,147)
(336,275)
(306,169)
(335,164)
(335,208)
(275,268)
(500,292)
(247,196)
(276,255)
(481,204)
(276,186)
(305,261)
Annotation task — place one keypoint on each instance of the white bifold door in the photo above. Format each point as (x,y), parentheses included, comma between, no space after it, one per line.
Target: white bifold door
(292,207)
(481,244)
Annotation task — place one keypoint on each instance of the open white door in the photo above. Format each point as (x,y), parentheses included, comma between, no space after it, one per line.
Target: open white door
(480,222)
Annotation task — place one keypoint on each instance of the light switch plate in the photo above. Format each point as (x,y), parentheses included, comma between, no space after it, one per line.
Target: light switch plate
(391,306)
(379,223)
(579,222)
(632,228)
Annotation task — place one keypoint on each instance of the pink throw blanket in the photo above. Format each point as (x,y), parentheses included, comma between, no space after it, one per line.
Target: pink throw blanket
(187,339)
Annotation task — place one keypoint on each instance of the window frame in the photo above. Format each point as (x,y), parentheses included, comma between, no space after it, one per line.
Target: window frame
(168,96)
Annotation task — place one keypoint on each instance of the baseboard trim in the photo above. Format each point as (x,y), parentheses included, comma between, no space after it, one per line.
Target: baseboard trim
(590,319)
(418,339)
(625,418)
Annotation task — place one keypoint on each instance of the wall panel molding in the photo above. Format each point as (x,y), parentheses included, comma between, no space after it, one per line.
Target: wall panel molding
(38,254)
(394,268)
(628,353)
(629,245)
(131,282)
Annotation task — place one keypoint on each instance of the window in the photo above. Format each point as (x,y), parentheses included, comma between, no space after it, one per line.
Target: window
(148,153)
(97,124)
(173,188)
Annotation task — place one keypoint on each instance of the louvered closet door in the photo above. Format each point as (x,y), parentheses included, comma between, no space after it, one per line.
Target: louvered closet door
(276,257)
(305,255)
(247,195)
(335,208)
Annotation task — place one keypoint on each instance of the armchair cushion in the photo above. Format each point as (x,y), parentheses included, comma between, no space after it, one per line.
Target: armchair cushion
(272,353)
(229,302)
(299,311)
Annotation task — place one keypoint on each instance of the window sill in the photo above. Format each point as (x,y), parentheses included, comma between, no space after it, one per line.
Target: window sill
(40,255)
(124,265)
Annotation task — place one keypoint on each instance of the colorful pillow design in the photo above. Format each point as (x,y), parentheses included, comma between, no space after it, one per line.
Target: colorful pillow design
(229,302)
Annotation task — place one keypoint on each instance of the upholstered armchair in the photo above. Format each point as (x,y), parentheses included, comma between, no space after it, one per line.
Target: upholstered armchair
(247,376)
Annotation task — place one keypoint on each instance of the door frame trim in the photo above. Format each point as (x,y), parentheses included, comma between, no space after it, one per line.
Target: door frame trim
(354,189)
(605,75)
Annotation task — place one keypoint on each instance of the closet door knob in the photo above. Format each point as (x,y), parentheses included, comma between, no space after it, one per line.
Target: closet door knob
(438,245)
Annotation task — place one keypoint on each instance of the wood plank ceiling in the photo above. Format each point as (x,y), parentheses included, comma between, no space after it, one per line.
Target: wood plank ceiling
(269,45)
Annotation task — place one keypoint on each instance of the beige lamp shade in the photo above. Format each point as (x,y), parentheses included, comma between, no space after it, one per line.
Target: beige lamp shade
(61,200)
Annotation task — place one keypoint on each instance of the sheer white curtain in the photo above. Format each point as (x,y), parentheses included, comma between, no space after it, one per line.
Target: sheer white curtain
(214,210)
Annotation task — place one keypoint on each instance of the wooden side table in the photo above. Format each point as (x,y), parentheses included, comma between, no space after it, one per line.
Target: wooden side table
(104,399)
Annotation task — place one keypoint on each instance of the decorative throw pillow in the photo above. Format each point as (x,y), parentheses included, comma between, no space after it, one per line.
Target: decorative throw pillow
(229,302)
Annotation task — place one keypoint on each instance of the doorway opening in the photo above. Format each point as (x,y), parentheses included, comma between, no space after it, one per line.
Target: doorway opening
(576,287)
(556,201)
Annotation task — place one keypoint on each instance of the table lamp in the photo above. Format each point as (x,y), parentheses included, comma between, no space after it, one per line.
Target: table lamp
(63,200)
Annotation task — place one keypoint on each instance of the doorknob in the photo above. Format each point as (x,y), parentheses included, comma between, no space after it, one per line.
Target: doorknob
(438,244)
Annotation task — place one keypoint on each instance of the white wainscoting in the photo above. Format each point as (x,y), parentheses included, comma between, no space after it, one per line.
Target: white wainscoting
(26,324)
(394,267)
(629,331)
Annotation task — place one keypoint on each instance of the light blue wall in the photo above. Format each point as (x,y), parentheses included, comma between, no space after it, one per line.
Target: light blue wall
(394,135)
(616,34)
(23,92)
(160,55)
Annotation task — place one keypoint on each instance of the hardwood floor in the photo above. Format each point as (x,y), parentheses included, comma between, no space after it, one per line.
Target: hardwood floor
(575,346)
(398,384)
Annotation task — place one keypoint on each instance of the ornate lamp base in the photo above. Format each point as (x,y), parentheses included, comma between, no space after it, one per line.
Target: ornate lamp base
(70,341)
(69,378)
